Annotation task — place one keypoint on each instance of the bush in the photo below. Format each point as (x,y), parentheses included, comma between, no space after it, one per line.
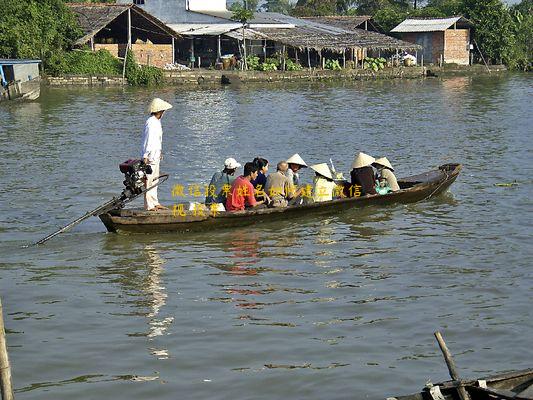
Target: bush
(253,63)
(80,62)
(375,64)
(142,74)
(333,65)
(292,66)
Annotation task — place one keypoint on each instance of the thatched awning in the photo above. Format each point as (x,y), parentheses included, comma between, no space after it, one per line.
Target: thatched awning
(93,17)
(302,38)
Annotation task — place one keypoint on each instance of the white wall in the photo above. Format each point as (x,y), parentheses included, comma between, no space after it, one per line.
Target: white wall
(207,5)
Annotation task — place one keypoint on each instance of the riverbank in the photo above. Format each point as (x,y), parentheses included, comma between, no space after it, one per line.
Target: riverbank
(207,76)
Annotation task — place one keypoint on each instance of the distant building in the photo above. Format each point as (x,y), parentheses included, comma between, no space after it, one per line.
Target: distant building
(114,27)
(445,40)
(19,79)
(210,33)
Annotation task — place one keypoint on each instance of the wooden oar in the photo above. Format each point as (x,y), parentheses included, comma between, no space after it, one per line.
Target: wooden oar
(463,394)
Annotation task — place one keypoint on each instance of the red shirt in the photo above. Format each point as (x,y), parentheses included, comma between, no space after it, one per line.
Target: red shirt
(240,194)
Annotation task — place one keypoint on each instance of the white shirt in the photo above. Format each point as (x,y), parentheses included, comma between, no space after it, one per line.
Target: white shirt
(152,140)
(323,189)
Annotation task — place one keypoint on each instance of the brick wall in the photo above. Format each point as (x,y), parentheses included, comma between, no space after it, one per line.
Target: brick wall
(456,51)
(156,55)
(112,48)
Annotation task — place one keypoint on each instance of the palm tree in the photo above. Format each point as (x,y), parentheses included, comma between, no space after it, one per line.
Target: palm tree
(243,15)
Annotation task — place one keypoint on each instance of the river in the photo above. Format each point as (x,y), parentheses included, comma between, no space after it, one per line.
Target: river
(338,308)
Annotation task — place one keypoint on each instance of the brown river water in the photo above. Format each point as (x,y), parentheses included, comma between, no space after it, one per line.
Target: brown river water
(336,307)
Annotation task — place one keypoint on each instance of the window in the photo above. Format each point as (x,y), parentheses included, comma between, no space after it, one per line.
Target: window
(138,2)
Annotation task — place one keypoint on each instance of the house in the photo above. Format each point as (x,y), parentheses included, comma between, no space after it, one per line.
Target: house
(19,78)
(211,33)
(115,27)
(445,40)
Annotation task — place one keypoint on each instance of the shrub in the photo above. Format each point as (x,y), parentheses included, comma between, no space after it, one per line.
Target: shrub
(333,65)
(142,74)
(80,62)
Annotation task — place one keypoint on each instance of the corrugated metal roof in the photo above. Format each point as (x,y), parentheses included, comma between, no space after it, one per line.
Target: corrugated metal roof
(426,25)
(203,29)
(8,61)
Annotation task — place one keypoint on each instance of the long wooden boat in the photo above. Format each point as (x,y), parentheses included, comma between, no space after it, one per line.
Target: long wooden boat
(517,385)
(413,189)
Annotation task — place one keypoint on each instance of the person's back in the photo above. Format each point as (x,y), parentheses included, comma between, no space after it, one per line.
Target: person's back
(362,174)
(391,179)
(279,188)
(364,177)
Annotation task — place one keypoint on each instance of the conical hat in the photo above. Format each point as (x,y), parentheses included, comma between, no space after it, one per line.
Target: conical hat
(362,160)
(384,163)
(296,159)
(322,169)
(158,105)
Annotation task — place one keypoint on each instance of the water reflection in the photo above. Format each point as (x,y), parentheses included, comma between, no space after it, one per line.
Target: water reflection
(140,273)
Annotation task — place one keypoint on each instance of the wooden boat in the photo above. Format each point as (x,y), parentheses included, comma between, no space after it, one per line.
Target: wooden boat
(517,385)
(413,189)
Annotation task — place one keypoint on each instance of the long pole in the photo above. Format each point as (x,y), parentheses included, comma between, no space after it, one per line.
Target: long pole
(463,394)
(5,369)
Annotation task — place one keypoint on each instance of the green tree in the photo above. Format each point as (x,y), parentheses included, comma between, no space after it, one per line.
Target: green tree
(243,15)
(310,8)
(493,29)
(36,29)
(522,15)
(279,6)
(250,5)
(447,7)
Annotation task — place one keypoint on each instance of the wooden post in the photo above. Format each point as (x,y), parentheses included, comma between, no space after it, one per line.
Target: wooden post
(320,59)
(124,67)
(129,27)
(283,58)
(92,43)
(296,55)
(219,49)
(5,368)
(463,394)
(308,59)
(344,58)
(173,51)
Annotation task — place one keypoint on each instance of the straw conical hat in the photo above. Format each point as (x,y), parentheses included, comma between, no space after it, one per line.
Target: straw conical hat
(362,160)
(384,163)
(296,159)
(158,105)
(322,169)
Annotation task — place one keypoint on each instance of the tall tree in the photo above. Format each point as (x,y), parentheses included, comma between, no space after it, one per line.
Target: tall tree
(310,8)
(243,16)
(279,6)
(493,28)
(36,29)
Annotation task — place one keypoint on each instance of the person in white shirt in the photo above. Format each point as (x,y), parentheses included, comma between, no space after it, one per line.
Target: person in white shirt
(151,150)
(323,183)
(386,172)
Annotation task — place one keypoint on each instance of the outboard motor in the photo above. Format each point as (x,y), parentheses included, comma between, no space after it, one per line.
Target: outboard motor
(135,172)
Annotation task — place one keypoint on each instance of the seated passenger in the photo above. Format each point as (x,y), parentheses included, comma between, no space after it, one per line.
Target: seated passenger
(295,164)
(279,187)
(385,171)
(362,174)
(262,168)
(221,182)
(241,194)
(323,184)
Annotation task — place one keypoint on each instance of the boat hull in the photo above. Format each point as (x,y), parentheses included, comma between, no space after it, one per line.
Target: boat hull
(416,188)
(517,385)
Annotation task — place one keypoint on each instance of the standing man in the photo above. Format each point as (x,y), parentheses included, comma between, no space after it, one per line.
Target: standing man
(151,150)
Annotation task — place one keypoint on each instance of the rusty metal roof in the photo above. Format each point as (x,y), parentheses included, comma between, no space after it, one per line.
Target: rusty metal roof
(430,24)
